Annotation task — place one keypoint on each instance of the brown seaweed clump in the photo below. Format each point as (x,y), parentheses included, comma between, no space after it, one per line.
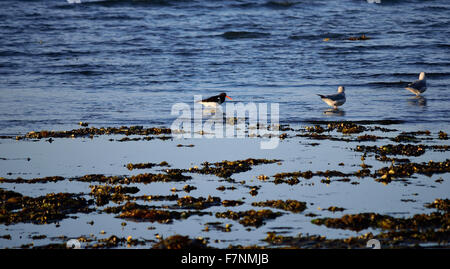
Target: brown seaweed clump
(405,137)
(218,226)
(440,204)
(129,206)
(317,242)
(232,202)
(250,217)
(189,202)
(288,205)
(368,137)
(358,222)
(404,170)
(189,188)
(388,240)
(103,194)
(90,132)
(15,208)
(280,177)
(152,215)
(20,180)
(400,149)
(225,169)
(180,242)
(114,241)
(292,177)
(171,175)
(358,38)
(132,166)
(355,222)
(443,135)
(335,209)
(346,127)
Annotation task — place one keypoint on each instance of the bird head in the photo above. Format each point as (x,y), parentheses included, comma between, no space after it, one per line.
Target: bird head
(223,95)
(422,75)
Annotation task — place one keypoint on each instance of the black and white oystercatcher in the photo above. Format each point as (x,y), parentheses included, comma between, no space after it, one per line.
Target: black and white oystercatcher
(215,100)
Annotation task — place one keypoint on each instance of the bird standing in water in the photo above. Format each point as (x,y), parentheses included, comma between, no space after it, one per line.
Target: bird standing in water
(214,101)
(419,86)
(335,100)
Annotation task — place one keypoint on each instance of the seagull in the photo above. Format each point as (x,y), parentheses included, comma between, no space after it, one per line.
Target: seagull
(419,86)
(335,100)
(214,101)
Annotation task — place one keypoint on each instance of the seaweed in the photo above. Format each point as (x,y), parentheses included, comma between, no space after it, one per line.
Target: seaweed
(225,169)
(288,205)
(250,217)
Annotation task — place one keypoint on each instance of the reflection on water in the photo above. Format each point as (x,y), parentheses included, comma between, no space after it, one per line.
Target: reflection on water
(211,111)
(418,101)
(334,112)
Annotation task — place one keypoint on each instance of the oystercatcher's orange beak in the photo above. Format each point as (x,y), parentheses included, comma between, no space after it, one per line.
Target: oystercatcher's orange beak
(228,97)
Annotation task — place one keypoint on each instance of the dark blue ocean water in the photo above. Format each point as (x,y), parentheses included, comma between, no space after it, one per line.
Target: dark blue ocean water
(127,62)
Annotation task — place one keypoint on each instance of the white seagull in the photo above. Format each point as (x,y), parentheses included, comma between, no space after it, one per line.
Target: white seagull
(419,86)
(335,100)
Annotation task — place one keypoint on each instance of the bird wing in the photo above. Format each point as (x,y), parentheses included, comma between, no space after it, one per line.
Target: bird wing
(418,84)
(212,99)
(334,97)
